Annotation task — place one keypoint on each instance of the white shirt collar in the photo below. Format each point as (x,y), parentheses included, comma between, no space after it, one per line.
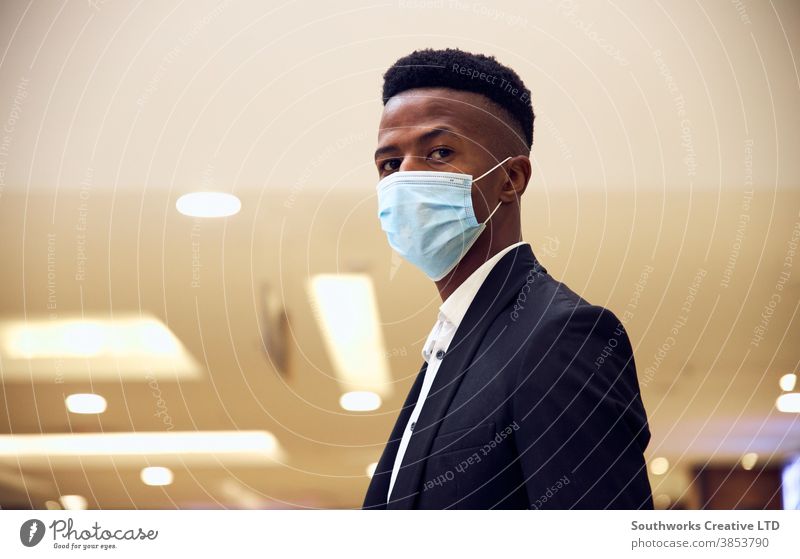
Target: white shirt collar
(454,308)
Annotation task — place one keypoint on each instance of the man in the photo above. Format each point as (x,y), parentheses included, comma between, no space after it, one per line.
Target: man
(528,396)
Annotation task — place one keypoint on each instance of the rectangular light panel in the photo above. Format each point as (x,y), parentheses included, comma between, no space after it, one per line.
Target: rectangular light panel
(77,347)
(347,312)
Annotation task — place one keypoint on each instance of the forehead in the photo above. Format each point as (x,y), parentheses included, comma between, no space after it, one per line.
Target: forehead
(415,111)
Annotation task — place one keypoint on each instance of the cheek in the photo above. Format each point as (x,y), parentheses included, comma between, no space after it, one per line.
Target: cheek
(481,200)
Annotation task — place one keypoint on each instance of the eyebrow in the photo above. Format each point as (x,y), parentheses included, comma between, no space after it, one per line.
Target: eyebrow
(430,134)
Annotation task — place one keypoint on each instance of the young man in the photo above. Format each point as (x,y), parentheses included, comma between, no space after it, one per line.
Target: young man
(528,396)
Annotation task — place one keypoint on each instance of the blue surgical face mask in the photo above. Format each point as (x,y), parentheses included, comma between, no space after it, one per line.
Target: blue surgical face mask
(428,217)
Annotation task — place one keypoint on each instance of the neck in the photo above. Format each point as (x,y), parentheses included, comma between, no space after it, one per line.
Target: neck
(483,249)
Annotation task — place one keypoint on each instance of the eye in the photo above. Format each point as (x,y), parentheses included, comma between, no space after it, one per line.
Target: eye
(389,165)
(440,154)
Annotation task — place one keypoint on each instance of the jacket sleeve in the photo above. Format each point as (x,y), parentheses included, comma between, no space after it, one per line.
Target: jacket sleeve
(582,425)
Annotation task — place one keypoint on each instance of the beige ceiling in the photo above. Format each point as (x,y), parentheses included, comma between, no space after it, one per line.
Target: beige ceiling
(655,121)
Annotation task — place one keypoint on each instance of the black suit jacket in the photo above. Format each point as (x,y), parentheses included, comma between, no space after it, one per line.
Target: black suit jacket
(536,404)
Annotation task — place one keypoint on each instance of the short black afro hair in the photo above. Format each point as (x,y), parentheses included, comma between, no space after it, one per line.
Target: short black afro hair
(457,69)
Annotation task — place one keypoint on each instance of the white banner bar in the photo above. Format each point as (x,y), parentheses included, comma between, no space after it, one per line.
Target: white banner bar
(387,534)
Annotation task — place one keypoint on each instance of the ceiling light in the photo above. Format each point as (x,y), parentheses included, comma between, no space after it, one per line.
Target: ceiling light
(208,204)
(79,338)
(156,475)
(347,311)
(73,502)
(86,403)
(183,446)
(788,382)
(659,466)
(56,339)
(360,401)
(371,469)
(789,403)
(83,348)
(749,460)
(52,505)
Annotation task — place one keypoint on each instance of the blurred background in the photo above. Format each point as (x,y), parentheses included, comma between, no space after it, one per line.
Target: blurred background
(252,348)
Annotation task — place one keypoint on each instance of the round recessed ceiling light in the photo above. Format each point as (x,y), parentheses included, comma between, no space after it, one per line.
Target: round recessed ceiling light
(787,382)
(156,475)
(86,403)
(789,402)
(208,204)
(749,460)
(360,401)
(659,466)
(73,502)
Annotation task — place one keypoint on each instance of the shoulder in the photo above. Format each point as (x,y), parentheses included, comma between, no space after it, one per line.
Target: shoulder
(546,305)
(555,324)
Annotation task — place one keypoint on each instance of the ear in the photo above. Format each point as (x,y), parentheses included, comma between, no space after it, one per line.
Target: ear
(518,173)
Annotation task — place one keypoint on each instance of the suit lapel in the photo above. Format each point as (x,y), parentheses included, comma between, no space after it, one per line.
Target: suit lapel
(379,486)
(502,285)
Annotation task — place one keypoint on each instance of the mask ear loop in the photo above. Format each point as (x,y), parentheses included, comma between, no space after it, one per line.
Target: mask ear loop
(486,173)
(494,210)
(492,169)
